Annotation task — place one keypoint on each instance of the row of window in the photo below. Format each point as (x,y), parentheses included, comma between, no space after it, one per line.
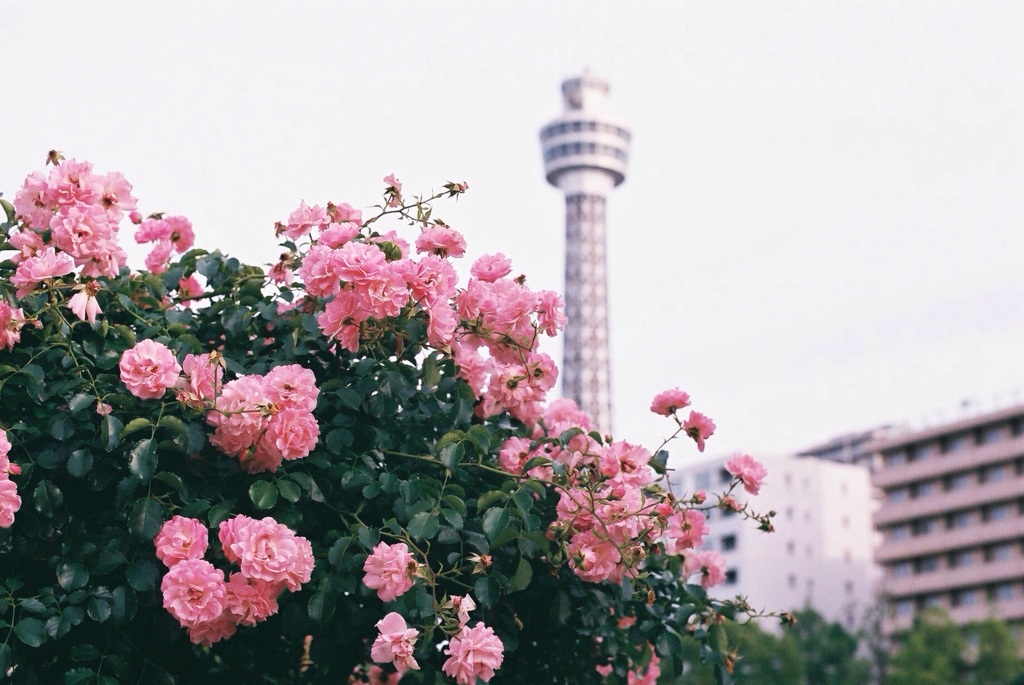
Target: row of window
(581,126)
(956,442)
(999,592)
(960,480)
(567,149)
(963,558)
(990,513)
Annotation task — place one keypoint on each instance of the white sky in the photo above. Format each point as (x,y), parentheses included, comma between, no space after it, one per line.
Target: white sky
(823,224)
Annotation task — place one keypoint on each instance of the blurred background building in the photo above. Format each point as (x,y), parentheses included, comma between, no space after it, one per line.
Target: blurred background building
(951,518)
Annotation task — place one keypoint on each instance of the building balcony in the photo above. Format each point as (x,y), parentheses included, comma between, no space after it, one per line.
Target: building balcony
(1012,610)
(946,579)
(949,540)
(949,462)
(948,501)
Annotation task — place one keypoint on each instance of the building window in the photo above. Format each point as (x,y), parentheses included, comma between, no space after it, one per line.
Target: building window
(964,557)
(902,569)
(1001,552)
(791,581)
(728,543)
(791,547)
(965,598)
(934,600)
(849,587)
(702,480)
(993,433)
(724,476)
(994,474)
(927,564)
(731,576)
(999,512)
(960,519)
(1003,592)
(895,459)
(789,513)
(904,607)
(924,489)
(924,526)
(958,481)
(955,443)
(925,450)
(897,495)
(900,532)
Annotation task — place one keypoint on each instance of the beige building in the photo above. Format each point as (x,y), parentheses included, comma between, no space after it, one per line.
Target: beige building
(951,519)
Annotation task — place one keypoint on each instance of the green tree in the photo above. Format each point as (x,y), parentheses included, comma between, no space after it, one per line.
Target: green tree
(828,651)
(930,653)
(998,659)
(760,657)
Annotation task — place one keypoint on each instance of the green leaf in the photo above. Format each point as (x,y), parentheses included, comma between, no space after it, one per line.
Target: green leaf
(124,604)
(488,498)
(84,652)
(72,576)
(110,431)
(31,631)
(487,591)
(146,518)
(523,576)
(142,460)
(218,514)
(47,498)
(82,400)
(99,609)
(173,423)
(369,537)
(79,463)
(455,503)
(127,334)
(79,676)
(453,517)
(11,216)
(480,437)
(173,480)
(5,657)
(452,454)
(350,398)
(142,574)
(135,425)
(289,490)
(495,522)
(263,494)
(523,500)
(321,607)
(423,525)
(32,605)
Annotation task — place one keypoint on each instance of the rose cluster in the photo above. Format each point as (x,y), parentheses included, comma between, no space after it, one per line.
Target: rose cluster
(270,556)
(261,420)
(10,501)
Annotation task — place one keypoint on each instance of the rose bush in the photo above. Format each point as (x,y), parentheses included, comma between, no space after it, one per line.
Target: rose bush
(343,467)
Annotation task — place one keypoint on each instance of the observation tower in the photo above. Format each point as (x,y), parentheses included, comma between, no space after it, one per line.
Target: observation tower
(585,155)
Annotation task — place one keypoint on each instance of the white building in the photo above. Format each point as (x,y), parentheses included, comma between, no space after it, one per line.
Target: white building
(820,554)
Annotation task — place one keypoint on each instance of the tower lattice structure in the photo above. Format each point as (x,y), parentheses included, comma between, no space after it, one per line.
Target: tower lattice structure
(585,156)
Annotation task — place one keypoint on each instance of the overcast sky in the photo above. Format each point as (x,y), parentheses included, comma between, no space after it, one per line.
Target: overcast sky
(823,224)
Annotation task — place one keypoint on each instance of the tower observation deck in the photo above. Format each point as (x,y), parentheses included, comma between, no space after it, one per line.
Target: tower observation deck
(585,156)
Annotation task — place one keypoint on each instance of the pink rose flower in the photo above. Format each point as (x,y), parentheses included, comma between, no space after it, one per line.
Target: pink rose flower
(250,601)
(227,533)
(474,653)
(395,644)
(189,287)
(208,632)
(700,428)
(83,303)
(5,444)
(648,676)
(393,192)
(11,321)
(442,241)
(305,218)
(182,236)
(345,213)
(10,502)
(181,538)
(708,563)
(750,471)
(201,381)
(194,591)
(44,265)
(491,267)
(269,551)
(293,432)
(337,234)
(669,402)
(389,570)
(148,369)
